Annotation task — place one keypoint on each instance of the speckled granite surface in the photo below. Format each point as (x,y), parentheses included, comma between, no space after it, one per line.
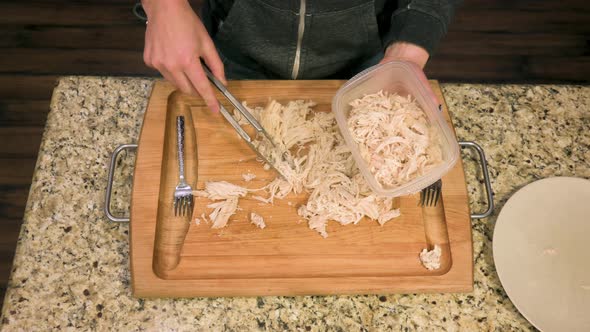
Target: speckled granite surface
(71,266)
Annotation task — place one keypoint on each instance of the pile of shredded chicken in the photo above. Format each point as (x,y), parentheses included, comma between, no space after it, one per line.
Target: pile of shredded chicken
(321,164)
(393,137)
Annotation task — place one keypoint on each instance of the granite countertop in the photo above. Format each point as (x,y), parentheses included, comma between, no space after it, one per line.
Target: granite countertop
(71,269)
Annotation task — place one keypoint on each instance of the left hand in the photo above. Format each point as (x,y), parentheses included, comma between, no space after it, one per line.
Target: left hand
(415,56)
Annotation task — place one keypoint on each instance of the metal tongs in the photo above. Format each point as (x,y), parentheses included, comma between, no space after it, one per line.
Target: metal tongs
(248,116)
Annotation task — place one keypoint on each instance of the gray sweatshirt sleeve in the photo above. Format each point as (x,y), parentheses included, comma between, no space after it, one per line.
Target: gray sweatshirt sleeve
(421,22)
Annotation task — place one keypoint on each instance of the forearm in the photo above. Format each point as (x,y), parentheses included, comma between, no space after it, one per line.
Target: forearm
(407,52)
(150,6)
(420,22)
(176,42)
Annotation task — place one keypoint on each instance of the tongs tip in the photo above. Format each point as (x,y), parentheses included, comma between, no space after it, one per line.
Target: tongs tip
(250,118)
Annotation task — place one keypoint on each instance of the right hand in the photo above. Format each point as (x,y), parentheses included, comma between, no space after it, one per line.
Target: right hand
(416,57)
(175,43)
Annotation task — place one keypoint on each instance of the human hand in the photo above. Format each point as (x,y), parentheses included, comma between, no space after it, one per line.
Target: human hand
(416,57)
(175,43)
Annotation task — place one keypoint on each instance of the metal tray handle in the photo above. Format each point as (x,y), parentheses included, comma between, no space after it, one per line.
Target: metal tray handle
(486,178)
(107,201)
(467,144)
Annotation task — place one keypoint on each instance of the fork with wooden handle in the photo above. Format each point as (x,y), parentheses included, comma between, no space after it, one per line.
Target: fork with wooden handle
(171,230)
(430,195)
(183,194)
(433,215)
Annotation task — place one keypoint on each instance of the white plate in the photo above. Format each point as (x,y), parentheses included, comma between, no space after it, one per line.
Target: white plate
(542,253)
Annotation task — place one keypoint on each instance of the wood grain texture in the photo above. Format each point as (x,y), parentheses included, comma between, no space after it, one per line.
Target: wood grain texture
(13,198)
(66,13)
(27,88)
(562,20)
(28,138)
(555,67)
(494,43)
(123,37)
(531,6)
(286,258)
(77,61)
(16,171)
(23,112)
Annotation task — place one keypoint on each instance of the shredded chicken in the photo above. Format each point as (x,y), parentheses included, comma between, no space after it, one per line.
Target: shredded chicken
(394,137)
(222,210)
(254,111)
(248,177)
(257,220)
(323,167)
(431,258)
(226,197)
(387,216)
(216,190)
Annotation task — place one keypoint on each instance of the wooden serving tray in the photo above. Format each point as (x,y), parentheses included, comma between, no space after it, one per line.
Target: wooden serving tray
(175,257)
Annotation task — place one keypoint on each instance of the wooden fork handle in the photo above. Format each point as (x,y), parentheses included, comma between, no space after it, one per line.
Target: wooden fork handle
(171,230)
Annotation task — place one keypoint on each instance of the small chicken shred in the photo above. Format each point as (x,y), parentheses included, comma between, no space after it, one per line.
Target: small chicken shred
(216,190)
(248,177)
(393,137)
(226,196)
(431,258)
(222,210)
(257,220)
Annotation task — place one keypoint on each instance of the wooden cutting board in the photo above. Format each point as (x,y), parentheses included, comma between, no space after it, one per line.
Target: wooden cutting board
(174,257)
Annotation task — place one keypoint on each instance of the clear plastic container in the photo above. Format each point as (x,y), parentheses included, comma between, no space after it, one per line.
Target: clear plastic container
(401,78)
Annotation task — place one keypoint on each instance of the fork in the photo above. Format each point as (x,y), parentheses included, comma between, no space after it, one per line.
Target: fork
(430,195)
(183,193)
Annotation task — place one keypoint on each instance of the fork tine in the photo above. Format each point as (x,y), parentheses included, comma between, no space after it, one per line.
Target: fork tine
(438,192)
(423,196)
(179,207)
(187,204)
(183,205)
(182,201)
(434,195)
(430,195)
